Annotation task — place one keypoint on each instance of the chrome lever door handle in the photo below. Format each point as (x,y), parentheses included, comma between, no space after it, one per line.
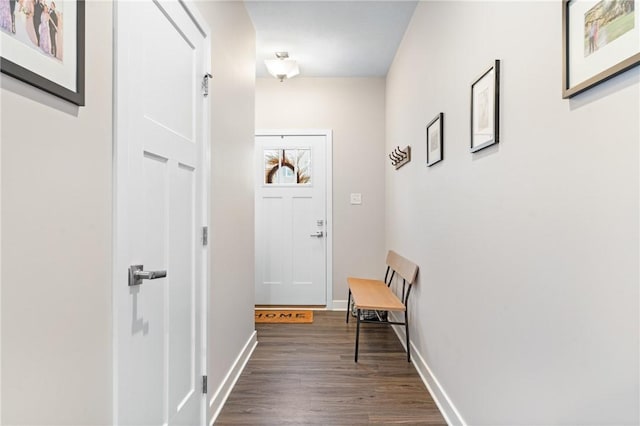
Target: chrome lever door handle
(149,275)
(317,234)
(136,275)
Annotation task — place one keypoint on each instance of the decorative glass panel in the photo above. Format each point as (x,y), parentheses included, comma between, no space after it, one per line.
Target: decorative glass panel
(304,166)
(287,170)
(287,166)
(271,164)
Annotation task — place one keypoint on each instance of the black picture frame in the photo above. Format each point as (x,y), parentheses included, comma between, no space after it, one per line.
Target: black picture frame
(485,108)
(620,62)
(435,138)
(32,77)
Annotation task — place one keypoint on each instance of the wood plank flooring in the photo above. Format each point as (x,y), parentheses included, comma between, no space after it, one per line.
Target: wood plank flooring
(303,374)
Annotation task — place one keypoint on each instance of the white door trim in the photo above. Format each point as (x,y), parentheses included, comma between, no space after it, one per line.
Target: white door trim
(119,193)
(205,164)
(328,134)
(206,191)
(206,213)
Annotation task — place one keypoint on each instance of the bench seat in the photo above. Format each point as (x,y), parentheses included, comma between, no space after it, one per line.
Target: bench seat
(374,295)
(377,295)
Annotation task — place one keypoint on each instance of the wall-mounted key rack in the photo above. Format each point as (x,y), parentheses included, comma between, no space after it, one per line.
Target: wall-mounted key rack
(400,157)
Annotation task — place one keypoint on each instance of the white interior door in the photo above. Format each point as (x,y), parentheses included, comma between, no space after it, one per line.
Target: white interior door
(160,211)
(291,219)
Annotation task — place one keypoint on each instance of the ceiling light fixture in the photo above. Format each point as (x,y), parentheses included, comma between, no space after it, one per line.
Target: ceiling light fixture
(283,67)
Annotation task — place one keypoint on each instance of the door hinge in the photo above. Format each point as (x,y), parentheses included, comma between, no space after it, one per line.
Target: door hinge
(205,84)
(204,384)
(205,235)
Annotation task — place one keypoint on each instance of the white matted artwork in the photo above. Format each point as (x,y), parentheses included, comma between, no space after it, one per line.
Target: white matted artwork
(43,45)
(601,39)
(435,131)
(485,108)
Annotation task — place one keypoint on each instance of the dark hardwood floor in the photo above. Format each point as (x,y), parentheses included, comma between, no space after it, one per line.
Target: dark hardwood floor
(304,374)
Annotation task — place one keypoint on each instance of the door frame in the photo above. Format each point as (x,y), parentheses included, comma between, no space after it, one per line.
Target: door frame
(328,135)
(120,160)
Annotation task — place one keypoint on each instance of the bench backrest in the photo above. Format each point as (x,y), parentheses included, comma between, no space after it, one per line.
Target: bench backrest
(402,266)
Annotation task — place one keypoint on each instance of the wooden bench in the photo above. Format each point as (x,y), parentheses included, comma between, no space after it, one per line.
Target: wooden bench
(378,295)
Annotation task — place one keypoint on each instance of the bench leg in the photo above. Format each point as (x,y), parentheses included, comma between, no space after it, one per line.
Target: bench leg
(357,335)
(406,328)
(348,306)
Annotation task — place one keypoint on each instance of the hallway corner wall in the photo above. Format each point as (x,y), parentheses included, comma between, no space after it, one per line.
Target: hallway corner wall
(527,304)
(57,245)
(232,93)
(353,108)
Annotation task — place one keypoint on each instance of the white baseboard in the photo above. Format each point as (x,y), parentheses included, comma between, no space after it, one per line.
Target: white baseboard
(222,393)
(448,410)
(339,305)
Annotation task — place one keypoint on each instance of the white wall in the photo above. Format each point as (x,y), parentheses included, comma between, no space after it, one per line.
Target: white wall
(526,308)
(56,245)
(57,208)
(354,109)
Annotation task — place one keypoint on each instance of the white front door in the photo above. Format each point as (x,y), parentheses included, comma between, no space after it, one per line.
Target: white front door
(160,210)
(291,219)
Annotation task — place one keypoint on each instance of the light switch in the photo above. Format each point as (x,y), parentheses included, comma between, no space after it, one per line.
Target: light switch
(356,198)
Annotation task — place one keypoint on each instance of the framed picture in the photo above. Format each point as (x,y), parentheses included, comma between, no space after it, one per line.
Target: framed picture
(485,108)
(600,39)
(435,131)
(43,45)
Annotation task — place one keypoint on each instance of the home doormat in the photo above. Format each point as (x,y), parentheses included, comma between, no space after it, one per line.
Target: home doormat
(284,316)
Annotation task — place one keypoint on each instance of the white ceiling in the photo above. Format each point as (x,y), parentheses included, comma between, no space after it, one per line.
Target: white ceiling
(330,38)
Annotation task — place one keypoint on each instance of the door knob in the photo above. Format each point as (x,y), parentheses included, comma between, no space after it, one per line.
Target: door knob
(317,234)
(136,275)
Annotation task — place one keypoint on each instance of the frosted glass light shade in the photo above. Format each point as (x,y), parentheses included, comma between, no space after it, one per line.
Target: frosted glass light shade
(280,68)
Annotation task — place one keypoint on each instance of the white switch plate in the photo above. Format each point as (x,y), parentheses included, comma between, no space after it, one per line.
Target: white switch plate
(356,198)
